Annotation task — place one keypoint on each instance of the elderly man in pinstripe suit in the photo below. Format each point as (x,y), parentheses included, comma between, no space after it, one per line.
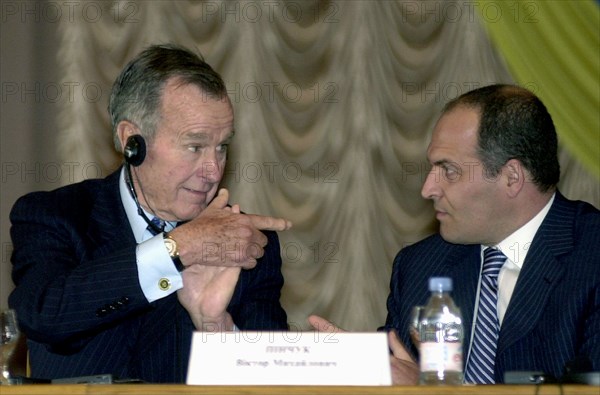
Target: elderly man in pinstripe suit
(113,275)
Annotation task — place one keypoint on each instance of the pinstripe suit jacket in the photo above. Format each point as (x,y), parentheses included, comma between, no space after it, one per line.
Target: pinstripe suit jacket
(74,255)
(554,313)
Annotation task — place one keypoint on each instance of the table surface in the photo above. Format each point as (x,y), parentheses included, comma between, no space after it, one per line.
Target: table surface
(168,389)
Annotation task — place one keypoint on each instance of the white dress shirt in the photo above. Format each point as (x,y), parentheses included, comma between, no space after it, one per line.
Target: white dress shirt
(157,274)
(515,247)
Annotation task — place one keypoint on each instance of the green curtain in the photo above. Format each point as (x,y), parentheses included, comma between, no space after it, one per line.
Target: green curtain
(553,48)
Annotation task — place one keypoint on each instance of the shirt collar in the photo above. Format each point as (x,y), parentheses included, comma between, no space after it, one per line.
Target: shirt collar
(137,223)
(516,246)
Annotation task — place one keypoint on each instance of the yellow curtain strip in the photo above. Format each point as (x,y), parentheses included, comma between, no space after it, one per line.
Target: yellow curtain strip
(553,48)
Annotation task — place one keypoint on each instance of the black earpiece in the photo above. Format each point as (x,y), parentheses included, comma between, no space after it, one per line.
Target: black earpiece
(135,150)
(134,153)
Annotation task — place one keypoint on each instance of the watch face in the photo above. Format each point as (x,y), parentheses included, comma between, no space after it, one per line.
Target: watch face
(171,246)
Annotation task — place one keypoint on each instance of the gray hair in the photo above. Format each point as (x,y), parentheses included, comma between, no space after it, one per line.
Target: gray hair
(137,92)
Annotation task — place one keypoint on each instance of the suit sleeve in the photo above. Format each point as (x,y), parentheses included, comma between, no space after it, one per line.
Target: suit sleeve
(256,302)
(70,285)
(398,306)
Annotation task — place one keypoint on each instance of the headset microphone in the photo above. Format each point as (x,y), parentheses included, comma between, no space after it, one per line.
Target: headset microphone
(135,153)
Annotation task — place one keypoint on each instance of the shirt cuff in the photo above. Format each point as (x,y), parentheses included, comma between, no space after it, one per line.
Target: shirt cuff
(156,272)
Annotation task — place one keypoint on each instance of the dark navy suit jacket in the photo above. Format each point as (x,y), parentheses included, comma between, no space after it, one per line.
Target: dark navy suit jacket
(554,314)
(79,301)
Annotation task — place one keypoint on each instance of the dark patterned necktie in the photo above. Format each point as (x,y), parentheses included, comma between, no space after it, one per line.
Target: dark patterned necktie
(480,367)
(158,224)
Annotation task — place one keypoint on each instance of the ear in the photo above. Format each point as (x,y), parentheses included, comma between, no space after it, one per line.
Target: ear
(514,174)
(124,130)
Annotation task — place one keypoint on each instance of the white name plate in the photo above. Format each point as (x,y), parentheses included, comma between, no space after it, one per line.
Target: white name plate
(289,358)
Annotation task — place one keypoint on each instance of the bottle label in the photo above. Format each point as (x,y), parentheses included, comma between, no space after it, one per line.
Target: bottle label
(438,357)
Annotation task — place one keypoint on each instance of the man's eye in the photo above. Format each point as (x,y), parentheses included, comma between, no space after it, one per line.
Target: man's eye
(194,148)
(223,148)
(451,173)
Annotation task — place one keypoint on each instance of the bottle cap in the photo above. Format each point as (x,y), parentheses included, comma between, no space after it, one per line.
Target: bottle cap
(440,284)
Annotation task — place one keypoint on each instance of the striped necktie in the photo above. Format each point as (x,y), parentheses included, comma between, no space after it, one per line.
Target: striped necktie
(158,223)
(480,366)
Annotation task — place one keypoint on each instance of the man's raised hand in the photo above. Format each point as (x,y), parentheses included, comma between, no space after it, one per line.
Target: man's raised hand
(223,236)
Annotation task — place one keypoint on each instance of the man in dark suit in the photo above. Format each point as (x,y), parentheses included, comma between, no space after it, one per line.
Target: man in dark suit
(493,184)
(113,276)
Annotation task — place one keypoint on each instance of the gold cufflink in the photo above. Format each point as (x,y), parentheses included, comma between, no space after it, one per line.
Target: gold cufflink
(164,284)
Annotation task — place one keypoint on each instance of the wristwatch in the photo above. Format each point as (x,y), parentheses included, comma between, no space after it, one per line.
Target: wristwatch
(171,246)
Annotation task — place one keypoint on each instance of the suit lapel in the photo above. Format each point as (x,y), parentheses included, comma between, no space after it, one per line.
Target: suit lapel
(466,276)
(541,271)
(107,211)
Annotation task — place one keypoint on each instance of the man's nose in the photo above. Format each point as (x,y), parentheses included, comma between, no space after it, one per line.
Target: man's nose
(211,169)
(431,185)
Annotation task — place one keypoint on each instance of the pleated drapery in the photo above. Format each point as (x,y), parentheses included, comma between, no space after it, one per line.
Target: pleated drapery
(334,105)
(553,48)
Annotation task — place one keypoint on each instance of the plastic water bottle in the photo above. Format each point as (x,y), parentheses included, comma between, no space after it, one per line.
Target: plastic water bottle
(441,332)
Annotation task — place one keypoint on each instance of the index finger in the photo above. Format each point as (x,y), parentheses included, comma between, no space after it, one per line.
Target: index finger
(398,348)
(322,325)
(269,223)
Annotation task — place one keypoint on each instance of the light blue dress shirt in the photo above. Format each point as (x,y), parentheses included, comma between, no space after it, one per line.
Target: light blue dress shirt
(157,275)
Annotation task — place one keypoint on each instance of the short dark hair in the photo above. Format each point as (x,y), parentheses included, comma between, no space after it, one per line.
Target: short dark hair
(136,93)
(514,124)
